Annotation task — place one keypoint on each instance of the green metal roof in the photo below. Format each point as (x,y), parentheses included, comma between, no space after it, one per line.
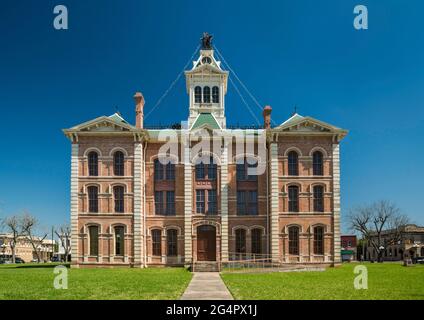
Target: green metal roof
(206,119)
(347,252)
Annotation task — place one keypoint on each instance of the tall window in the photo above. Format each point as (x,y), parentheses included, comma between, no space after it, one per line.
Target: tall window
(317,163)
(170,203)
(93,164)
(164,171)
(118,163)
(240,241)
(318,240)
(215,94)
(318,198)
(119,241)
(93,199)
(156,242)
(197,94)
(206,171)
(256,241)
(293,161)
(171,242)
(118,193)
(206,94)
(212,203)
(243,171)
(93,232)
(159,205)
(294,240)
(200,201)
(293,199)
(247,202)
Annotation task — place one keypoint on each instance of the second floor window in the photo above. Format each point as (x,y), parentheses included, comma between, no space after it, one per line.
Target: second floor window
(118,193)
(215,94)
(206,201)
(118,163)
(200,201)
(206,94)
(164,171)
(93,199)
(317,163)
(247,202)
(246,171)
(197,94)
(293,163)
(206,171)
(293,199)
(93,164)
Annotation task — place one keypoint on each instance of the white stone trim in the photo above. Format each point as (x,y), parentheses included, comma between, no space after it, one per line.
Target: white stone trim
(224,204)
(275,252)
(187,205)
(74,203)
(138,205)
(336,203)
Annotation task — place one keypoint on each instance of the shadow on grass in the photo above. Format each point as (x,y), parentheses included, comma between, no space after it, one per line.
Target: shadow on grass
(33,265)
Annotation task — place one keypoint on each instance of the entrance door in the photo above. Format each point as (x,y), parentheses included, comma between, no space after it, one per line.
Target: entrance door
(206,243)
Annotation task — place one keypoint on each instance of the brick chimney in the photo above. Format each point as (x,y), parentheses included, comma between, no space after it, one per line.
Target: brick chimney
(139,106)
(267,117)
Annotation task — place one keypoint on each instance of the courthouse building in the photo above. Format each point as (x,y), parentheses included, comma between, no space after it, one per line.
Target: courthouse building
(136,202)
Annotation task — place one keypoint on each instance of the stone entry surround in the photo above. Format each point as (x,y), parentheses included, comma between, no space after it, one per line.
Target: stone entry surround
(207,286)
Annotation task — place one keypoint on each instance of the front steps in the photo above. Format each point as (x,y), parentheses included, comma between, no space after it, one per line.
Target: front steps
(205,266)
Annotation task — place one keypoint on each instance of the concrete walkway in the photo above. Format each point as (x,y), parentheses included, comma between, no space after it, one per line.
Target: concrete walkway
(206,286)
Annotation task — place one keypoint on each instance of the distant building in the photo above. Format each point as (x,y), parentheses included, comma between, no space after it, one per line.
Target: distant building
(349,247)
(24,248)
(411,245)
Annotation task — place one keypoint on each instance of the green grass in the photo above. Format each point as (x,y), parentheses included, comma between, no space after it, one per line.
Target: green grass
(385,281)
(36,282)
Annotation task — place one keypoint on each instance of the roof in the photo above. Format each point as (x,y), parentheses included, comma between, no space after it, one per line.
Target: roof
(206,120)
(118,118)
(293,119)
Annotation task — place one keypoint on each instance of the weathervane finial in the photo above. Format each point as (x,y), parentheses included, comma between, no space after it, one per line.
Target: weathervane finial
(206,41)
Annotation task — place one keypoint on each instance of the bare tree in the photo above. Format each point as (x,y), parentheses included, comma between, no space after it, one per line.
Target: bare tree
(13,225)
(29,226)
(64,235)
(375,220)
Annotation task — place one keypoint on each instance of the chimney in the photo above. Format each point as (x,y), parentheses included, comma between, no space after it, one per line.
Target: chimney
(139,106)
(267,117)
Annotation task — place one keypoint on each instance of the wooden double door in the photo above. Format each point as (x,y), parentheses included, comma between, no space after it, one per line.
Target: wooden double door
(206,243)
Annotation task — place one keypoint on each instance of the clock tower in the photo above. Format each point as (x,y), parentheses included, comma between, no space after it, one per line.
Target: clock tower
(206,85)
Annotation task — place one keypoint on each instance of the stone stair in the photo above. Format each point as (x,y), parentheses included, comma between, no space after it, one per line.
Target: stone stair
(205,266)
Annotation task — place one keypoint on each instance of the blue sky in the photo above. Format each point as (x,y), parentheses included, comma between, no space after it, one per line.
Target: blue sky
(303,53)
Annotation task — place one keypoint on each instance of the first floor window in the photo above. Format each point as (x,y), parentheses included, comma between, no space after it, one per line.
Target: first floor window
(318,240)
(256,241)
(165,206)
(240,241)
(171,240)
(200,201)
(156,242)
(212,207)
(170,203)
(93,232)
(119,241)
(294,240)
(159,202)
(247,202)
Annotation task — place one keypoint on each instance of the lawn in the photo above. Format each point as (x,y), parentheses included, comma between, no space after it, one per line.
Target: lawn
(385,281)
(36,282)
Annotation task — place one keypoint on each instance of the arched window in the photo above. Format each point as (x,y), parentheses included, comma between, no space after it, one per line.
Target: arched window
(293,161)
(118,163)
(257,241)
(317,163)
(206,94)
(318,240)
(170,171)
(118,193)
(294,240)
(93,233)
(206,171)
(119,241)
(171,242)
(318,198)
(93,199)
(422,252)
(215,94)
(240,241)
(93,164)
(156,242)
(197,94)
(293,199)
